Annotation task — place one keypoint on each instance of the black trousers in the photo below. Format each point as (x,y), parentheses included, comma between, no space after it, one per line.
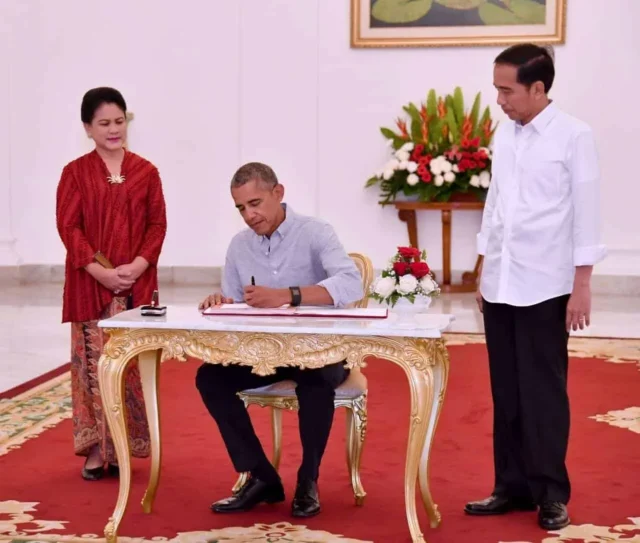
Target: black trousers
(528,362)
(315,390)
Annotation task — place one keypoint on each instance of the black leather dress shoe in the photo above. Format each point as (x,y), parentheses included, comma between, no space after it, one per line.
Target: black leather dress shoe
(251,494)
(306,502)
(553,516)
(498,505)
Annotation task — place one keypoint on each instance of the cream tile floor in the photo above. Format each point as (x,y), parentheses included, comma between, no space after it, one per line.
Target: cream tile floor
(32,340)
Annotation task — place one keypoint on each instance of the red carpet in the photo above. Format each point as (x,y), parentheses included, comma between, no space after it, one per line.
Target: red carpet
(604,463)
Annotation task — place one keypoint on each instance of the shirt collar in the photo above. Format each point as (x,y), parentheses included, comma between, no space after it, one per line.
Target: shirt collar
(542,119)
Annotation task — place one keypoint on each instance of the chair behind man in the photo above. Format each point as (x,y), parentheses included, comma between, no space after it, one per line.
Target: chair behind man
(352,395)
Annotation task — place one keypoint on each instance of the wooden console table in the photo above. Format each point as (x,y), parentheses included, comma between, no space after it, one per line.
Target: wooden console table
(407,213)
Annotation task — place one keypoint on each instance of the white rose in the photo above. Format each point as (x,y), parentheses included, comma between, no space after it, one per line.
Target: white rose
(385,286)
(475,181)
(403,165)
(388,174)
(446,166)
(438,181)
(428,284)
(402,156)
(407,146)
(456,168)
(408,284)
(485,179)
(412,167)
(412,179)
(449,177)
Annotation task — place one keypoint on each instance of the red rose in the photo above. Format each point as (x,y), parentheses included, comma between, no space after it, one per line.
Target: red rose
(401,268)
(408,252)
(419,269)
(426,177)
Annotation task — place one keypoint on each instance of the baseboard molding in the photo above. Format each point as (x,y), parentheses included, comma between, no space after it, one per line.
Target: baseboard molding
(31,274)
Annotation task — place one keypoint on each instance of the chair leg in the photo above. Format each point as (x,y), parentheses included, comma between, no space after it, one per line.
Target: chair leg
(276,432)
(359,415)
(244,477)
(349,440)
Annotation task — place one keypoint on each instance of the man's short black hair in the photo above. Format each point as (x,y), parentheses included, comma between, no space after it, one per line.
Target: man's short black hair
(534,63)
(254,171)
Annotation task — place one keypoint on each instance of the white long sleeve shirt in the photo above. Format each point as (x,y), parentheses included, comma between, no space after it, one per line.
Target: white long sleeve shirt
(542,214)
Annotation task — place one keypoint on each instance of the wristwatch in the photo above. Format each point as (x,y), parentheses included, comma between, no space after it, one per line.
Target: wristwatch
(296,296)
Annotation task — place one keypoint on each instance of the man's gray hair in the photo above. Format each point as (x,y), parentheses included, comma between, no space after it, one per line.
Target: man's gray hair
(254,171)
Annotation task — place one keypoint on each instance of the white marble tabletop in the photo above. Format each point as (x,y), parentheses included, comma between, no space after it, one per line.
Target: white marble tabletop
(426,325)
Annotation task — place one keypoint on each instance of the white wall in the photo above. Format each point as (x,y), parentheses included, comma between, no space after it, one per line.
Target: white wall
(214,84)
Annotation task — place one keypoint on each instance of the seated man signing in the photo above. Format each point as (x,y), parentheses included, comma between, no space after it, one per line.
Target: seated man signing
(294,259)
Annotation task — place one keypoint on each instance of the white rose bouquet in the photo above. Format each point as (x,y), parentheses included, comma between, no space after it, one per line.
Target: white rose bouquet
(407,276)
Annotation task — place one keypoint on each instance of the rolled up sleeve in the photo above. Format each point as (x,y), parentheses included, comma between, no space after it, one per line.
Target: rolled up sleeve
(585,190)
(344,282)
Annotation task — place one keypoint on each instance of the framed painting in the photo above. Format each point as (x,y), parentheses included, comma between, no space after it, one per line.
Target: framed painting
(433,23)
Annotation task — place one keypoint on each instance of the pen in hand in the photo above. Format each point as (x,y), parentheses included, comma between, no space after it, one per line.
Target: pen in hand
(253,281)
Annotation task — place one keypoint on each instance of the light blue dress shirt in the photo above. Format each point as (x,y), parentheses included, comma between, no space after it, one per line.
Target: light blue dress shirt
(303,251)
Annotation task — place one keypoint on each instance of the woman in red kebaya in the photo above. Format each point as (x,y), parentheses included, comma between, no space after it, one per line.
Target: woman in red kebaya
(111,217)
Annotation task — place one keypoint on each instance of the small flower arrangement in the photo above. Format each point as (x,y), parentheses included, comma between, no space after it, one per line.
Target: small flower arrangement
(405,277)
(442,152)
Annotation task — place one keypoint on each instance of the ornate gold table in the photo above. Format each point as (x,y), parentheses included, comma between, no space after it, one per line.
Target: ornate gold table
(266,343)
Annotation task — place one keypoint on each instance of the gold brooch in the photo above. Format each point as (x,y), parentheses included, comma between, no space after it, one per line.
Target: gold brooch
(116,179)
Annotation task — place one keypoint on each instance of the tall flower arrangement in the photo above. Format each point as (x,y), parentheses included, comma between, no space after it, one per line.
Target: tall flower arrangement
(440,150)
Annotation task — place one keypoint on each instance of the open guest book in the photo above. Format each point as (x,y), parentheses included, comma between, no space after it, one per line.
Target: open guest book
(244,310)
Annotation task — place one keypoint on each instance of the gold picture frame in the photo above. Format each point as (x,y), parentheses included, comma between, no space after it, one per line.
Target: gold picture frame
(401,28)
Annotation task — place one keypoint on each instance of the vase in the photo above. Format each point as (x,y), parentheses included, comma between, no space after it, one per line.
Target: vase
(406,311)
(402,197)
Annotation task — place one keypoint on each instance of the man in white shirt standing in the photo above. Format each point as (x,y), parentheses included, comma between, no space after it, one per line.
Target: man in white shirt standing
(540,240)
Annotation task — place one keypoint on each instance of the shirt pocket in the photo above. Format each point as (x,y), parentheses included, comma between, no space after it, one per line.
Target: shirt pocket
(541,175)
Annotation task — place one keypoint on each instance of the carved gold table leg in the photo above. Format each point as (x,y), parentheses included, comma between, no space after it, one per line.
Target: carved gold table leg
(149,364)
(111,379)
(418,426)
(439,375)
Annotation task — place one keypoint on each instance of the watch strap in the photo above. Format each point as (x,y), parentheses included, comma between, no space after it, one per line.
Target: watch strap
(296,296)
